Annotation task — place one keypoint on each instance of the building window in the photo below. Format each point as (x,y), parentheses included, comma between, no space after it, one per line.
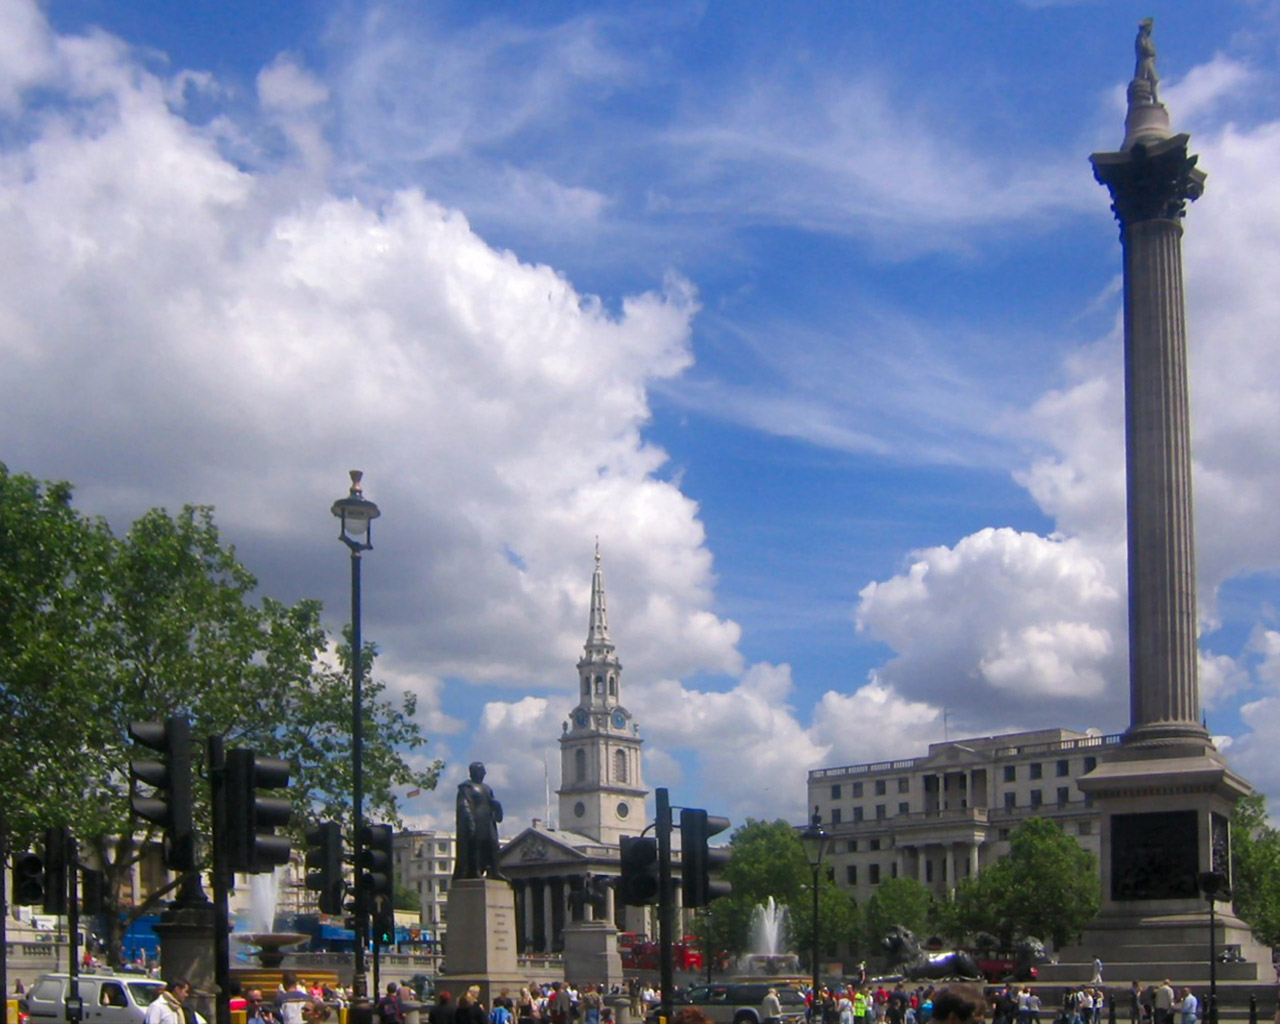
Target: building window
(904,785)
(880,811)
(620,765)
(873,844)
(857,814)
(1037,769)
(1063,769)
(613,686)
(1011,773)
(852,846)
(835,815)
(1003,835)
(1036,798)
(904,807)
(893,870)
(879,787)
(600,685)
(873,874)
(1085,828)
(857,789)
(1064,794)
(851,874)
(835,791)
(579,764)
(1010,801)
(928,871)
(1090,763)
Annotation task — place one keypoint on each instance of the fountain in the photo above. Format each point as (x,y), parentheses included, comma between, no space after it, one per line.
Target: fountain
(272,945)
(768,932)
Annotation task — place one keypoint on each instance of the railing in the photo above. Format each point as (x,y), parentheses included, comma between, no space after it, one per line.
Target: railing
(1057,746)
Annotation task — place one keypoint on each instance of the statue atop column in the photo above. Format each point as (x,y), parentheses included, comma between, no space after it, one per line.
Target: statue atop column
(478,815)
(1145,70)
(1147,122)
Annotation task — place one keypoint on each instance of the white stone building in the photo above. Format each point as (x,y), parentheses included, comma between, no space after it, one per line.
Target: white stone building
(422,862)
(947,815)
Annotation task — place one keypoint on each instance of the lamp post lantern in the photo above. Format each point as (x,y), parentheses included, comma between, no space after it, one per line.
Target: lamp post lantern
(814,840)
(356,514)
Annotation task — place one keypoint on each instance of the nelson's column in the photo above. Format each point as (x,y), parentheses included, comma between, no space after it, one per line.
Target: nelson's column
(1164,798)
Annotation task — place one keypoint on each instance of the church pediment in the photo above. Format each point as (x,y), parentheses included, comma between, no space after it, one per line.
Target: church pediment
(536,847)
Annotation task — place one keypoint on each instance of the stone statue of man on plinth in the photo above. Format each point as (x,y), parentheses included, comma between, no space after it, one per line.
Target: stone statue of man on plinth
(478,815)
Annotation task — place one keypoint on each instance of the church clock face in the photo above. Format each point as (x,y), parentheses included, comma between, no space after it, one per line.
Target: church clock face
(580,718)
(623,810)
(579,809)
(619,720)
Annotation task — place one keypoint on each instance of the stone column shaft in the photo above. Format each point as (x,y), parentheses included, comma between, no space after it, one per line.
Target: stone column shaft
(1150,184)
(1162,599)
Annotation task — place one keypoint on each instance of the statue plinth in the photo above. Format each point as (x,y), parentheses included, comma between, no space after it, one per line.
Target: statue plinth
(480,948)
(591,954)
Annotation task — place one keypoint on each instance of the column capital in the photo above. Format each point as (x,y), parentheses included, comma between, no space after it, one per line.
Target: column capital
(1150,181)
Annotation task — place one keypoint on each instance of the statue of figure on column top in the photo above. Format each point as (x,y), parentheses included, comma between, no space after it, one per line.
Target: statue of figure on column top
(1145,51)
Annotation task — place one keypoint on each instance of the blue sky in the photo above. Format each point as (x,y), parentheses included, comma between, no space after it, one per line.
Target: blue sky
(808,311)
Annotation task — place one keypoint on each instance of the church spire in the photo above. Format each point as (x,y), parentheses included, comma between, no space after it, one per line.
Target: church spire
(598,641)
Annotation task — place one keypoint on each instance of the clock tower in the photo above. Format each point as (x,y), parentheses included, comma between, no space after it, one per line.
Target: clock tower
(602,792)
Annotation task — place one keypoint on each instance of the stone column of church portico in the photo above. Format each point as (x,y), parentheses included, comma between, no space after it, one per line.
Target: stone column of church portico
(548,917)
(610,907)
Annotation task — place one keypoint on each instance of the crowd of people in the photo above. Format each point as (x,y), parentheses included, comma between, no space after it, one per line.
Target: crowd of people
(556,1003)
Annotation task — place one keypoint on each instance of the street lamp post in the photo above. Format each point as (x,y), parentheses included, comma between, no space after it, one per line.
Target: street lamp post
(356,514)
(814,840)
(1214,885)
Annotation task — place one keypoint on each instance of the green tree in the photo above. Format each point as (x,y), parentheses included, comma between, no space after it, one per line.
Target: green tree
(903,901)
(1255,868)
(97,631)
(769,860)
(405,898)
(1047,887)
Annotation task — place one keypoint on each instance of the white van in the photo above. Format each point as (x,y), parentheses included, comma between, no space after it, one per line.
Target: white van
(107,998)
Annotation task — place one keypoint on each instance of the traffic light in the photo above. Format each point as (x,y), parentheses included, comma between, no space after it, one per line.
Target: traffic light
(698,861)
(28,879)
(57,862)
(639,883)
(324,862)
(252,846)
(377,881)
(170,807)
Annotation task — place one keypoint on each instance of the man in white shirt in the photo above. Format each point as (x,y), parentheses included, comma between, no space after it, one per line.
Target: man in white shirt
(166,1008)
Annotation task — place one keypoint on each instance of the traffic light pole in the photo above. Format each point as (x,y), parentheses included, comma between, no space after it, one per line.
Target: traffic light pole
(71,874)
(665,902)
(221,881)
(4,909)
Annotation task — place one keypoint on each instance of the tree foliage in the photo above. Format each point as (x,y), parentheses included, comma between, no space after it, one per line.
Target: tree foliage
(1255,868)
(769,860)
(903,901)
(1047,887)
(97,631)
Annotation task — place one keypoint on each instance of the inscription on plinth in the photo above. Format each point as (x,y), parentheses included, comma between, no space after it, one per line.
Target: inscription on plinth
(482,941)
